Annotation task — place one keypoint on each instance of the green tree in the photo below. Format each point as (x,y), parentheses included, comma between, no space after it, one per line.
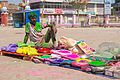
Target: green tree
(116,1)
(78,5)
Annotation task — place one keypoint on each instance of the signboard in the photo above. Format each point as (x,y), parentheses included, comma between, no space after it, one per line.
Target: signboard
(37,12)
(52,0)
(107,7)
(89,12)
(58,11)
(68,11)
(33,1)
(48,11)
(96,1)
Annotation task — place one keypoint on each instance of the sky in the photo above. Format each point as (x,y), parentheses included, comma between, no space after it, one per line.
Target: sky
(14,1)
(17,1)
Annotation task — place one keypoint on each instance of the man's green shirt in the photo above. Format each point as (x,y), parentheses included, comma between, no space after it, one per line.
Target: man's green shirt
(38,27)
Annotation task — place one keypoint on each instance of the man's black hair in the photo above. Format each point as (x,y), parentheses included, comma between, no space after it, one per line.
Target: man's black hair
(32,15)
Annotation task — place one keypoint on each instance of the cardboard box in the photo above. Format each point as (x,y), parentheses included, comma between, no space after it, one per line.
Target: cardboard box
(109,72)
(97,69)
(117,74)
(83,47)
(114,71)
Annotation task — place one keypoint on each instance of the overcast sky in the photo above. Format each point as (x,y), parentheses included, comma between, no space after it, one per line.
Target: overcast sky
(17,1)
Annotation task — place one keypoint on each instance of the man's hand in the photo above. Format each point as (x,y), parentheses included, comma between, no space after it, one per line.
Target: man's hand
(49,25)
(40,34)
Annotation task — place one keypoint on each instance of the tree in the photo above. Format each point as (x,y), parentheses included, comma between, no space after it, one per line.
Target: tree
(116,1)
(78,5)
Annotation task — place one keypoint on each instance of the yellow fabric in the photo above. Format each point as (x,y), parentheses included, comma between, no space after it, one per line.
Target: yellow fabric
(25,50)
(32,52)
(79,59)
(19,50)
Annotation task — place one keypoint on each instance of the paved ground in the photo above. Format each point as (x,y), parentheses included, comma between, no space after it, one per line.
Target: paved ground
(17,69)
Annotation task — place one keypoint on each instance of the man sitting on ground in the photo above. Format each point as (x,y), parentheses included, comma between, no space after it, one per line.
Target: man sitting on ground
(33,30)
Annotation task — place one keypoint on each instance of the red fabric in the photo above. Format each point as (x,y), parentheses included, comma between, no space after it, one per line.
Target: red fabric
(43,50)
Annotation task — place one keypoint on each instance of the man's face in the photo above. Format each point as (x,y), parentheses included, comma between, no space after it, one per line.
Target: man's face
(33,20)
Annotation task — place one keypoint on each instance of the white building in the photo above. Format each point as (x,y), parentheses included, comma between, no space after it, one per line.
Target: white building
(63,13)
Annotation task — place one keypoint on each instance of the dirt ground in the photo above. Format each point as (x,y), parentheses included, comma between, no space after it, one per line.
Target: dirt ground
(17,69)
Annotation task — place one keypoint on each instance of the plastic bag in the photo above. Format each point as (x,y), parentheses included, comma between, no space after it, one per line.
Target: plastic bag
(68,42)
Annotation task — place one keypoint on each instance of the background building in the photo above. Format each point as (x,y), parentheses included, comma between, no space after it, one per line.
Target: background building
(116,7)
(63,13)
